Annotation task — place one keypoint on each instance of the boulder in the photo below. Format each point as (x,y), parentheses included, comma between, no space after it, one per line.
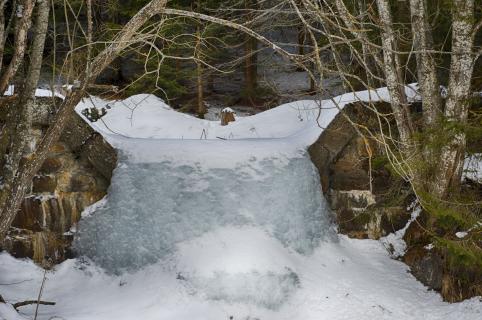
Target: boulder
(227,116)
(341,157)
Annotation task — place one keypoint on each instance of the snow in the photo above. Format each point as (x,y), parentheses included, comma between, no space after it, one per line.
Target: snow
(394,241)
(349,279)
(461,234)
(8,312)
(221,229)
(38,93)
(228,110)
(473,168)
(148,117)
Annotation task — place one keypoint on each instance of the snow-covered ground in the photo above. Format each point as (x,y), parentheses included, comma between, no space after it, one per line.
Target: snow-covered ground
(211,222)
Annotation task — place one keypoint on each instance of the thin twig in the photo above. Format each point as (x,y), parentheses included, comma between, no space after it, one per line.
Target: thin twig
(40,294)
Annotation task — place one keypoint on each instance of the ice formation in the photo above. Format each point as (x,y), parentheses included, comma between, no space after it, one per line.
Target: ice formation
(152,207)
(161,212)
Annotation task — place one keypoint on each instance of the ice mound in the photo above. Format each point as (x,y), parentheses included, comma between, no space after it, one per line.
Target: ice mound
(154,207)
(267,290)
(238,265)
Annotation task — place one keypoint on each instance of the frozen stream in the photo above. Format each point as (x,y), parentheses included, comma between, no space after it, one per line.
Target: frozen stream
(220,229)
(229,233)
(154,207)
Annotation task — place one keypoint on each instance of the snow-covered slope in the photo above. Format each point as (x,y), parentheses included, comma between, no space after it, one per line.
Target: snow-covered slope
(232,228)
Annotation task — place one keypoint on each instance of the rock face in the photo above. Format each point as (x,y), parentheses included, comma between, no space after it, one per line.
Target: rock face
(431,266)
(75,175)
(354,194)
(373,210)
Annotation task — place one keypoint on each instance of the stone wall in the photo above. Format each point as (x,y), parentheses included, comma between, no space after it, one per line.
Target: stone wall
(75,175)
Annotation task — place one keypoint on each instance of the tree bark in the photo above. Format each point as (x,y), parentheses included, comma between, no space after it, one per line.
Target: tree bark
(29,302)
(393,76)
(2,31)
(201,108)
(450,164)
(250,62)
(22,26)
(20,116)
(426,71)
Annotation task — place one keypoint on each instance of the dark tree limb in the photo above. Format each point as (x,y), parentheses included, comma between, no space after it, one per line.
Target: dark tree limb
(28,302)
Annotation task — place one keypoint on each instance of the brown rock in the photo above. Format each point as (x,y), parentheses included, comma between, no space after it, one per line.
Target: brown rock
(76,174)
(227,116)
(100,155)
(30,216)
(58,148)
(426,265)
(41,184)
(43,248)
(51,165)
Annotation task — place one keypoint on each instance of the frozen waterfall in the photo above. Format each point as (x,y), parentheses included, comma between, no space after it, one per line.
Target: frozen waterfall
(228,231)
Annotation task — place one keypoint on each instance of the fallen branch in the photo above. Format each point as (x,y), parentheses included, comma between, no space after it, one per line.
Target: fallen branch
(28,302)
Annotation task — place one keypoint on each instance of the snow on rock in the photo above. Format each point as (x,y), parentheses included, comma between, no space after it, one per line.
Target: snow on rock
(147,116)
(228,109)
(394,241)
(461,234)
(38,93)
(473,168)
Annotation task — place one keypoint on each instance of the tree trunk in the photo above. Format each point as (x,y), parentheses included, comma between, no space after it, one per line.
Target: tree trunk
(29,168)
(426,71)
(250,62)
(20,116)
(210,84)
(250,70)
(201,108)
(2,31)
(301,43)
(450,163)
(393,76)
(22,26)
(301,40)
